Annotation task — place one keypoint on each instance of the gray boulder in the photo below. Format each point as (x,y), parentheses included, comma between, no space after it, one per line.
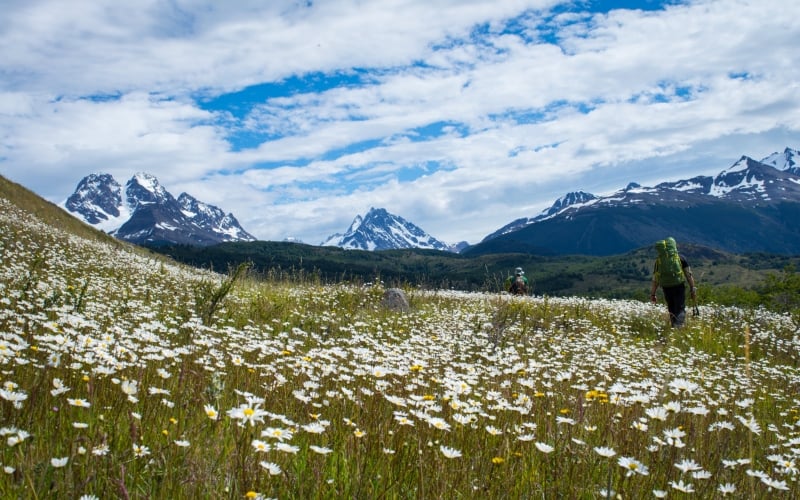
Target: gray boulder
(395,300)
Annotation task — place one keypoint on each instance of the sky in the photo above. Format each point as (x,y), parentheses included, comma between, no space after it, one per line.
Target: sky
(458,115)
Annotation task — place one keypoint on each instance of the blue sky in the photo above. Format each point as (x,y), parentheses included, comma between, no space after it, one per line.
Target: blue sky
(458,115)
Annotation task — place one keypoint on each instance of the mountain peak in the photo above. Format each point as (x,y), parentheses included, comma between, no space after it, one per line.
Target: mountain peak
(381,230)
(149,214)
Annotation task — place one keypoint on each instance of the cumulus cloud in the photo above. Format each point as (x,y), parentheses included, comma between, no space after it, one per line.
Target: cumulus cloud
(457,115)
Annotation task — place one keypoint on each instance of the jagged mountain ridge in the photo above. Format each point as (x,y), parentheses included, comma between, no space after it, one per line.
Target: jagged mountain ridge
(749,207)
(381,230)
(148,214)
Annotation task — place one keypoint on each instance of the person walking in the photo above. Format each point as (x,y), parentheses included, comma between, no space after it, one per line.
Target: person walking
(672,272)
(517,284)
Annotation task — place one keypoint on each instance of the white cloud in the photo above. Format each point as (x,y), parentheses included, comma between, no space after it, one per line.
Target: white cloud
(107,86)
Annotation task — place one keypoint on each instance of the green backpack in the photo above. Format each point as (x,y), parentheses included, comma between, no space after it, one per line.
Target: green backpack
(669,271)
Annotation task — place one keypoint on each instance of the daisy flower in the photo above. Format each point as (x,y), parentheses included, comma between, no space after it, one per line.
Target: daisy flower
(277,433)
(320,449)
(79,402)
(494,431)
(59,462)
(681,486)
(271,467)
(260,446)
(211,412)
(688,465)
(633,466)
(140,450)
(544,447)
(285,447)
(605,451)
(449,452)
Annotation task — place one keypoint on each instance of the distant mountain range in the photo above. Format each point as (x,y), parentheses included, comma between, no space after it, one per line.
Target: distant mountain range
(753,206)
(380,230)
(147,214)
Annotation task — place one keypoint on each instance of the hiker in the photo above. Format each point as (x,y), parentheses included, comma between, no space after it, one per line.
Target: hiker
(517,284)
(671,272)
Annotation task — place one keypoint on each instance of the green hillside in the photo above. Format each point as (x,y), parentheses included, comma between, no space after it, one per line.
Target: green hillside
(619,276)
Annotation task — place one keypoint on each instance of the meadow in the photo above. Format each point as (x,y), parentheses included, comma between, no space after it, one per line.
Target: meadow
(125,375)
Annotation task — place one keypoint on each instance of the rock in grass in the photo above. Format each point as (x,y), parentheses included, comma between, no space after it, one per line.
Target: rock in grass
(395,300)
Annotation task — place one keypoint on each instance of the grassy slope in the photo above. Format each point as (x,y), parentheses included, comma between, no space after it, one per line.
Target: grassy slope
(465,396)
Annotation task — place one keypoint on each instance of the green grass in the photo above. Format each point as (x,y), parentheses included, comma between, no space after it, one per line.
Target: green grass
(114,363)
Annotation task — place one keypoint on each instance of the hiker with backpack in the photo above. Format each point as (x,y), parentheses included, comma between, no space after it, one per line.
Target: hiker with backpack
(517,284)
(671,272)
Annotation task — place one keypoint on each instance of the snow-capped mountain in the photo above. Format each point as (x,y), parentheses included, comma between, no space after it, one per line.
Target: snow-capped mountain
(146,213)
(750,206)
(380,230)
(568,200)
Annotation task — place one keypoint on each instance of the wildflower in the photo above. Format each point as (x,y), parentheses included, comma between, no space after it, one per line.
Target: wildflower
(211,412)
(130,388)
(247,413)
(681,486)
(679,386)
(788,467)
(100,450)
(439,423)
(260,446)
(774,484)
(273,468)
(633,466)
(58,387)
(140,450)
(320,449)
(182,443)
(17,438)
(659,493)
(673,437)
(314,428)
(79,402)
(498,460)
(658,413)
(59,462)
(80,425)
(526,437)
(8,469)
(494,431)
(403,420)
(543,447)
(688,465)
(462,419)
(701,474)
(750,423)
(287,448)
(449,452)
(359,433)
(727,488)
(277,433)
(604,451)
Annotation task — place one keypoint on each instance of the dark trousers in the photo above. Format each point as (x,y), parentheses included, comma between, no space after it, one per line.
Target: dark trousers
(676,303)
